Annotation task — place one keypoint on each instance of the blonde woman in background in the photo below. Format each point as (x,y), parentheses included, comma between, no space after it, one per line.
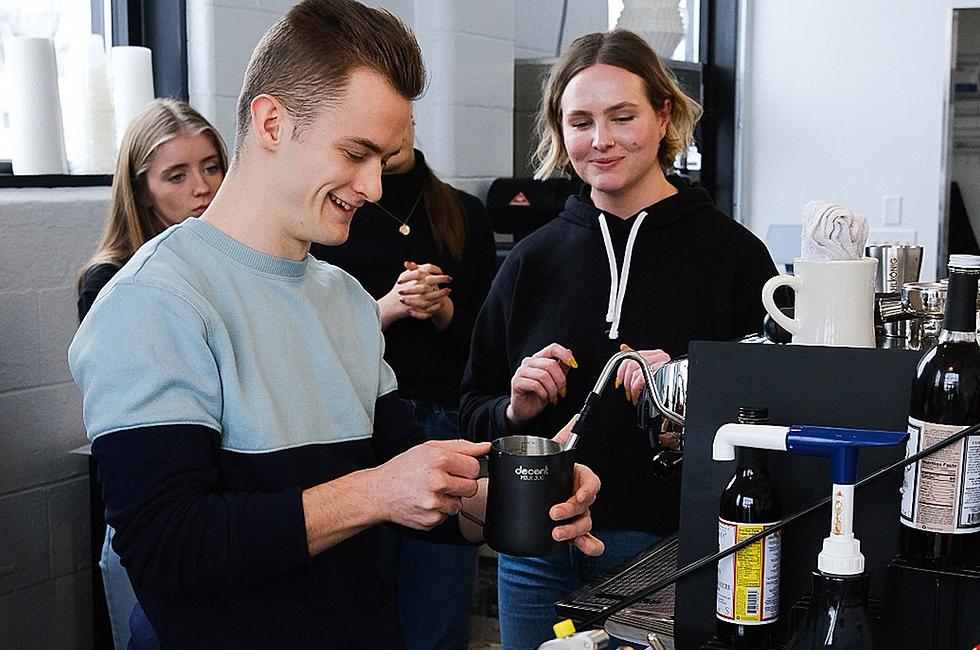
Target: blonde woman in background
(171,162)
(170,165)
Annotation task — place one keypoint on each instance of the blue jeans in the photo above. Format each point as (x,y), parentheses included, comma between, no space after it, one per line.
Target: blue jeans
(528,587)
(119,596)
(434,581)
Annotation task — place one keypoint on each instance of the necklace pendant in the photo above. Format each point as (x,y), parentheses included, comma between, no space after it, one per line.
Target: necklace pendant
(405,229)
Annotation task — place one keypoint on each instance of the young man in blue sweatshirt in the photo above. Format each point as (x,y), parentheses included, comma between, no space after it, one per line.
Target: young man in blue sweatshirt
(248,432)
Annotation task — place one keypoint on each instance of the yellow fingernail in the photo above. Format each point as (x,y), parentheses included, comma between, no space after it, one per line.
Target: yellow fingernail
(563,392)
(554,401)
(572,362)
(617,384)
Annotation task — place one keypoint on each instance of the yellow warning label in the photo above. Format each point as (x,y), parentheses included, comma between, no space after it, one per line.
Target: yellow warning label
(748,582)
(748,575)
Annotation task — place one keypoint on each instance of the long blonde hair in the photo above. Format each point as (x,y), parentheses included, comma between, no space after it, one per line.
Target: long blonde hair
(626,50)
(131,221)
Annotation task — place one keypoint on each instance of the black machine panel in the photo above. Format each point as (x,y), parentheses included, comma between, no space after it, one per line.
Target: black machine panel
(842,387)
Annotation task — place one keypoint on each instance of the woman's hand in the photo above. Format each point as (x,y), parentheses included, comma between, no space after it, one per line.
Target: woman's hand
(539,381)
(630,376)
(417,294)
(587,484)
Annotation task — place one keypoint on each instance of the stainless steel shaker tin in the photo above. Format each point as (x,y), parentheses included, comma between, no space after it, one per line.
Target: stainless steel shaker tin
(897,264)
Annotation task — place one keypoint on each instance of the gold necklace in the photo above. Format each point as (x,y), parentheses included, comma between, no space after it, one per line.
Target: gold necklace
(403,229)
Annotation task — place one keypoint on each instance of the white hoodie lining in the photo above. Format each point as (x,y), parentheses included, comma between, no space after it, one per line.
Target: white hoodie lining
(617,285)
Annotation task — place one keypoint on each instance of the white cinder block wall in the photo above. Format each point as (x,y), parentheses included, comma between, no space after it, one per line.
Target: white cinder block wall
(45,572)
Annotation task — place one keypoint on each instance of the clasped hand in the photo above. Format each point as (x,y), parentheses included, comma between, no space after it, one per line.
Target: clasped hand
(419,293)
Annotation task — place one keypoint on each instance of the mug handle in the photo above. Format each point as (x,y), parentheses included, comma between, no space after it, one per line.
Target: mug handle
(791,325)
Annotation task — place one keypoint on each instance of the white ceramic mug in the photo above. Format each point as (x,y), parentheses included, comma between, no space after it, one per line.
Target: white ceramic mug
(834,302)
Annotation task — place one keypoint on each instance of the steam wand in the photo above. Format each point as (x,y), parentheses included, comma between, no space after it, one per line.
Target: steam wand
(608,370)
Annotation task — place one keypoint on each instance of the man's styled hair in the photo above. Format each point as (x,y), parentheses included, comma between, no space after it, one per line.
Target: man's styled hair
(306,58)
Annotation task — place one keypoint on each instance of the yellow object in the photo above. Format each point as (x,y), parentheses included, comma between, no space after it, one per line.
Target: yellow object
(564,628)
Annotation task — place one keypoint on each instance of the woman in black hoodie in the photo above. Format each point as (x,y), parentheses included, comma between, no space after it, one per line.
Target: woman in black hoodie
(638,259)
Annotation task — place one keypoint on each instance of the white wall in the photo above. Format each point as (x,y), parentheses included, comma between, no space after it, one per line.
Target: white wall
(537,25)
(45,572)
(464,121)
(844,100)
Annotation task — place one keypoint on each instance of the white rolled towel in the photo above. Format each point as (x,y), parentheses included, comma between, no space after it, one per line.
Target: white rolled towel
(832,232)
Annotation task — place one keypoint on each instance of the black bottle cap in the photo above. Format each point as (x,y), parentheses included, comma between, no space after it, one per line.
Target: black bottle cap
(753,415)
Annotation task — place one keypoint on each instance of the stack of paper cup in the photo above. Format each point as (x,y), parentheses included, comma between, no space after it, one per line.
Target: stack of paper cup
(38,145)
(132,84)
(87,107)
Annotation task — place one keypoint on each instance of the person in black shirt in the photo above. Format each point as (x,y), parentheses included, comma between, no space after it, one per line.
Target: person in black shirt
(637,258)
(425,252)
(171,162)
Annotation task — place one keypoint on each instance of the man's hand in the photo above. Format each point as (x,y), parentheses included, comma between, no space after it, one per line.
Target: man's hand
(419,488)
(539,381)
(422,486)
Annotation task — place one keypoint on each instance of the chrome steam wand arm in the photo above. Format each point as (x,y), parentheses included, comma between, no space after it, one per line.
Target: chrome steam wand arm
(607,372)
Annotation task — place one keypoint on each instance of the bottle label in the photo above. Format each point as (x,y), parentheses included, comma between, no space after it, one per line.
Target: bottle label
(748,581)
(941,492)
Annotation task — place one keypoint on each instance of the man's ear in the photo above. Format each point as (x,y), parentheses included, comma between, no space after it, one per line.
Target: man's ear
(269,119)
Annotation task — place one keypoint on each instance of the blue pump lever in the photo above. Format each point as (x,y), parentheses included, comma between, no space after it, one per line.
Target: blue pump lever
(840,445)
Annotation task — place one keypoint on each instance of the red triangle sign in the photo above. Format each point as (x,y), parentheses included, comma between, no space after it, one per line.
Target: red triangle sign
(519,200)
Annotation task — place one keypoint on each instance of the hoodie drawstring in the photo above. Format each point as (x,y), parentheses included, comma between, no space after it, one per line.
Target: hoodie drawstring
(617,286)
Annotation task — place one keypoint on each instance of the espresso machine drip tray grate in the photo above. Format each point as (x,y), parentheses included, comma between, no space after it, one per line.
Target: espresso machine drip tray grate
(655,613)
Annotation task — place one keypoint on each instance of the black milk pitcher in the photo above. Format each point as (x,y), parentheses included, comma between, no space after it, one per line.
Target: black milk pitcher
(527,476)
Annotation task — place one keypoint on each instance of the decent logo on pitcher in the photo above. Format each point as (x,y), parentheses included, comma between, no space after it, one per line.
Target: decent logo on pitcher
(531,474)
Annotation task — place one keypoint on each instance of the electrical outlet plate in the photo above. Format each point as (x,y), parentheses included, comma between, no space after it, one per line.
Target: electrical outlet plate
(891,209)
(879,236)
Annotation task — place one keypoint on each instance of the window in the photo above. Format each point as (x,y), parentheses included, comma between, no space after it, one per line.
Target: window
(67,22)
